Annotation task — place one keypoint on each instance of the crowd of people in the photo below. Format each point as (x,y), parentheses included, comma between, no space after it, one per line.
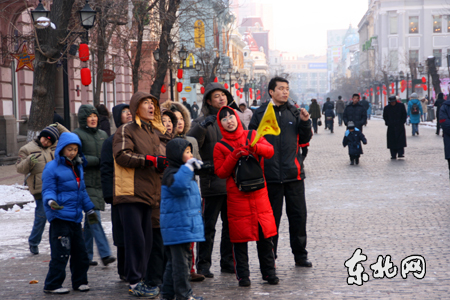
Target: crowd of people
(148,172)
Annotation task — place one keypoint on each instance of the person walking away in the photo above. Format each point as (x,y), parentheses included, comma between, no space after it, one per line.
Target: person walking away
(245,114)
(424,103)
(92,139)
(121,115)
(353,138)
(183,126)
(103,118)
(206,131)
(394,116)
(438,103)
(327,105)
(444,120)
(369,111)
(340,106)
(31,162)
(137,186)
(250,214)
(284,173)
(355,112)
(414,113)
(329,118)
(181,218)
(186,104)
(314,111)
(366,105)
(194,110)
(65,197)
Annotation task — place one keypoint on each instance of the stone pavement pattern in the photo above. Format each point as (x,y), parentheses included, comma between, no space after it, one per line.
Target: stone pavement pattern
(397,208)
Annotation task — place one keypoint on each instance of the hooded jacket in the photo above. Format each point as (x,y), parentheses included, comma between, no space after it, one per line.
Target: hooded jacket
(415,119)
(438,103)
(314,110)
(340,106)
(92,140)
(107,159)
(170,105)
(211,185)
(181,204)
(444,120)
(134,182)
(245,210)
(25,166)
(353,140)
(60,184)
(287,163)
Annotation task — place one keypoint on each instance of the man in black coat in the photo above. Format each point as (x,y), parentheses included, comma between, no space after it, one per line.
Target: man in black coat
(365,104)
(355,112)
(194,110)
(284,172)
(207,133)
(439,101)
(394,116)
(327,105)
(187,105)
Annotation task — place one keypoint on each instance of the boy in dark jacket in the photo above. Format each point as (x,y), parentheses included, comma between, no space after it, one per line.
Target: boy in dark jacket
(329,118)
(65,197)
(181,218)
(352,139)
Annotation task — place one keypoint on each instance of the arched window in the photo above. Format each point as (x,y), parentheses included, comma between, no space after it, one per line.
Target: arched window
(199,34)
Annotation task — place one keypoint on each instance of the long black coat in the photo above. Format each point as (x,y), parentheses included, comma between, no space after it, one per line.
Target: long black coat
(444,119)
(395,118)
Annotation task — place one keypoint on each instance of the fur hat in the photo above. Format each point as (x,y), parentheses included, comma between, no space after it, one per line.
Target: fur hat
(51,133)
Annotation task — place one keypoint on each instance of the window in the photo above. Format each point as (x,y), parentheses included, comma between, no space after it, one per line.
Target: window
(313,75)
(393,25)
(199,34)
(413,24)
(414,56)
(437,53)
(437,24)
(393,60)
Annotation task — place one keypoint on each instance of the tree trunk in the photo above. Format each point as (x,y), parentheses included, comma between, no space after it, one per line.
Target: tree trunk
(43,97)
(137,60)
(434,75)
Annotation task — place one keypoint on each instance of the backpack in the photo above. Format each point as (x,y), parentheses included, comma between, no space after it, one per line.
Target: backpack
(248,174)
(415,109)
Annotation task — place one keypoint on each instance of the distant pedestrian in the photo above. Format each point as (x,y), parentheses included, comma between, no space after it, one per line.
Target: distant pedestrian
(31,162)
(424,102)
(438,103)
(369,111)
(329,118)
(187,105)
(444,121)
(250,214)
(103,119)
(394,115)
(414,113)
(245,114)
(181,218)
(327,105)
(314,111)
(194,111)
(353,138)
(366,105)
(65,197)
(340,106)
(355,112)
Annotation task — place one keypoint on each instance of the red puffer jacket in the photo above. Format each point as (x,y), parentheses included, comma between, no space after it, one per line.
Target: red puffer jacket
(245,209)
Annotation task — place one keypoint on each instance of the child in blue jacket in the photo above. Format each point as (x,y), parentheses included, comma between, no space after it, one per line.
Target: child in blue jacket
(181,218)
(353,138)
(65,197)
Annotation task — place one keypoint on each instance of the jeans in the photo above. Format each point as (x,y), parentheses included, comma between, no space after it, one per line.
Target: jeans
(415,128)
(176,277)
(96,232)
(340,115)
(368,116)
(39,222)
(314,123)
(66,239)
(330,124)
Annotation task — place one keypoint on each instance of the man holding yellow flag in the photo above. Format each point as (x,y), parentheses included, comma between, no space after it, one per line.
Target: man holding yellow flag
(288,129)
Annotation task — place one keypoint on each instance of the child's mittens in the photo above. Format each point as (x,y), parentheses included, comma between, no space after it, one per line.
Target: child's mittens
(54,205)
(92,217)
(194,163)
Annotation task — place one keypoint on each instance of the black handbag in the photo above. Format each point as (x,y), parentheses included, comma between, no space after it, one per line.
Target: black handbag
(319,122)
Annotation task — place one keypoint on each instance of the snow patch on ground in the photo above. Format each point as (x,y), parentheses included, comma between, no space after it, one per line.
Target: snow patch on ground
(14,194)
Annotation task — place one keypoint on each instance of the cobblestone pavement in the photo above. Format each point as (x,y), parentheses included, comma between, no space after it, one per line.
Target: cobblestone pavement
(384,207)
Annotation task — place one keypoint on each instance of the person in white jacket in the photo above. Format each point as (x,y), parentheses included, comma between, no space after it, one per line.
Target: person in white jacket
(245,115)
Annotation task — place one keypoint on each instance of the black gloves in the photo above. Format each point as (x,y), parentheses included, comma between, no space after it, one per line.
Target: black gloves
(304,152)
(208,121)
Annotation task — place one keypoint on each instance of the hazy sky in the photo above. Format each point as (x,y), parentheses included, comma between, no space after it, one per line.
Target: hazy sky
(301,25)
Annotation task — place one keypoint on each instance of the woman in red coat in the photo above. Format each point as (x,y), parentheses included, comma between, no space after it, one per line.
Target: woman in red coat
(250,214)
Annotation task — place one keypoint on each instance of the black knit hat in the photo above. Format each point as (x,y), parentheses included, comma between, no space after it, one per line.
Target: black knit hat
(51,133)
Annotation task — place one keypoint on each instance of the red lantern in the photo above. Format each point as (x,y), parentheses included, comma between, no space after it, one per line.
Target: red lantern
(425,87)
(384,93)
(216,79)
(179,87)
(371,89)
(236,85)
(225,86)
(238,93)
(180,73)
(367,91)
(258,92)
(378,88)
(242,90)
(403,88)
(200,80)
(250,90)
(86,76)
(240,96)
(202,90)
(392,85)
(251,95)
(378,93)
(163,88)
(83,52)
(258,97)
(424,80)
(384,87)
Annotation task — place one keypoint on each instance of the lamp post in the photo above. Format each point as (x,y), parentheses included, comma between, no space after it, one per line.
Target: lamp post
(394,79)
(428,76)
(246,88)
(40,11)
(448,64)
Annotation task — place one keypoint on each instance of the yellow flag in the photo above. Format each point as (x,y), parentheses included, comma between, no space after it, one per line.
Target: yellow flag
(268,124)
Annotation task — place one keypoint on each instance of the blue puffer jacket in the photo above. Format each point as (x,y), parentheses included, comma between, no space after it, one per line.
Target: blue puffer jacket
(181,204)
(59,183)
(414,119)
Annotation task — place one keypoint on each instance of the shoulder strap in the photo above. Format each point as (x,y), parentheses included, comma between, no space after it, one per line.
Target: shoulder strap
(227,145)
(249,136)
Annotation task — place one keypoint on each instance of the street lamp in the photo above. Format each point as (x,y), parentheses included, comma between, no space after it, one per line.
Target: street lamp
(183,54)
(40,11)
(246,88)
(87,16)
